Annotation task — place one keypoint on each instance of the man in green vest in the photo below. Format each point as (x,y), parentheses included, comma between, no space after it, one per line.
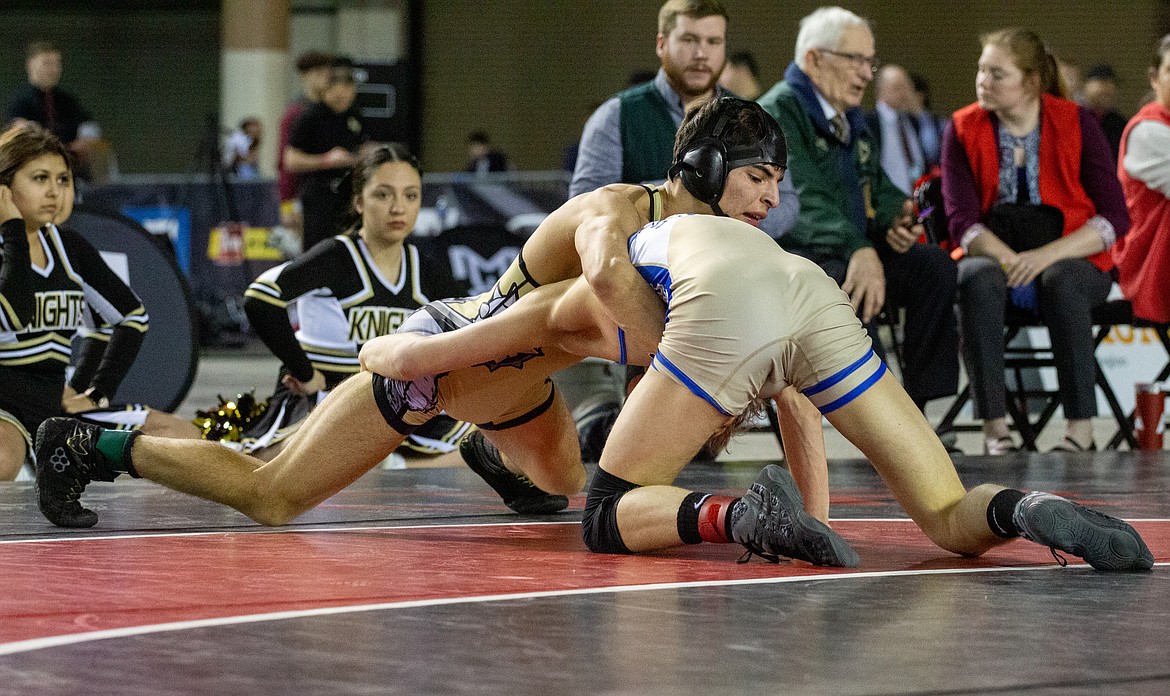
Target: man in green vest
(630,138)
(853,221)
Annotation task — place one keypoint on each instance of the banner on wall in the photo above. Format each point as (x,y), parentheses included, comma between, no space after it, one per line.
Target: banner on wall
(1129,356)
(232,243)
(172,222)
(477,255)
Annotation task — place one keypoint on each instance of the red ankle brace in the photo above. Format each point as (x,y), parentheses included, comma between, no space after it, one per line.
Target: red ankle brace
(713,516)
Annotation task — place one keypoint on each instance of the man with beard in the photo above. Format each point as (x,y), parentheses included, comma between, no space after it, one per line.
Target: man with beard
(629,139)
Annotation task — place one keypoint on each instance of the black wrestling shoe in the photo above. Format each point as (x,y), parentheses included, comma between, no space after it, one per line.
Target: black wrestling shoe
(518,492)
(773,523)
(67,460)
(593,427)
(1107,543)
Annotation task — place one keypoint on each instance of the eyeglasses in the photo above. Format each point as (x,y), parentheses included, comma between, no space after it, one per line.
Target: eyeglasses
(856,59)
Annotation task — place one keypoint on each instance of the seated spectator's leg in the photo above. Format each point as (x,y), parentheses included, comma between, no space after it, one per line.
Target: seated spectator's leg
(923,281)
(982,297)
(833,267)
(1069,290)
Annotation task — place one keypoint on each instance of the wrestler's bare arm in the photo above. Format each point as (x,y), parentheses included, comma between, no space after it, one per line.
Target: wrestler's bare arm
(607,218)
(804,450)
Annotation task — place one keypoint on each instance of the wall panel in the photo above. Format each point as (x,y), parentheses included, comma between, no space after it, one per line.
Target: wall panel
(528,71)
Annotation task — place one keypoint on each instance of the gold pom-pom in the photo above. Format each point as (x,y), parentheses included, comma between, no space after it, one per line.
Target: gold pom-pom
(228,421)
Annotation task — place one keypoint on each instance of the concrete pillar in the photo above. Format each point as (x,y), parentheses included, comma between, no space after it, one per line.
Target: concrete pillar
(254,67)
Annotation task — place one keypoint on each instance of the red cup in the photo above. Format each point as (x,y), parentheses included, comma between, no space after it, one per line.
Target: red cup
(1150,404)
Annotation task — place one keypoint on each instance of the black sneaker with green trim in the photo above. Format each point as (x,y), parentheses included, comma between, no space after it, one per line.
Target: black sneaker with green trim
(67,460)
(518,492)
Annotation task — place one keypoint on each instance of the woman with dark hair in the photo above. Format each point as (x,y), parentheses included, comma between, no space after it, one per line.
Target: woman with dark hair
(347,290)
(54,284)
(1032,198)
(1144,169)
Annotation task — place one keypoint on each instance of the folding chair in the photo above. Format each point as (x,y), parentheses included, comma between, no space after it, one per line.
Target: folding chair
(1021,397)
(1120,312)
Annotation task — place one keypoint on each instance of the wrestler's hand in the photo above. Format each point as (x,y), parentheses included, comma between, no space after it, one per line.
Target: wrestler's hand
(315,384)
(392,356)
(8,209)
(865,283)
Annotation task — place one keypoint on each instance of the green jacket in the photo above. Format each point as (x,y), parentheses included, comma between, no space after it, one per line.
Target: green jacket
(846,200)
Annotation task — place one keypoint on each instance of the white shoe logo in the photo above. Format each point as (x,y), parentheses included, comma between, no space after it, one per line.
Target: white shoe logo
(59,460)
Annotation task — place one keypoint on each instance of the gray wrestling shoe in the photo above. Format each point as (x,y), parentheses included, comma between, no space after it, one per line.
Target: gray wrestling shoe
(772,523)
(1107,543)
(67,460)
(518,492)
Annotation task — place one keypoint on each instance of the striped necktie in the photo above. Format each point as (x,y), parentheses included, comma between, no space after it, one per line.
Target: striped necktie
(840,127)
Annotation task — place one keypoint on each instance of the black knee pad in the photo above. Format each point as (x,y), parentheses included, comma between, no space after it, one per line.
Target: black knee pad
(599,525)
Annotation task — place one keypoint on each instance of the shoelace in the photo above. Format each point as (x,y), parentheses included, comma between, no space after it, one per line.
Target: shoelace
(523,480)
(1056,554)
(747,556)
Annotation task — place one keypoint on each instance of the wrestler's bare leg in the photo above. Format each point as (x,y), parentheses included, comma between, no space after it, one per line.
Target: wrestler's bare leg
(446,460)
(888,428)
(521,327)
(341,439)
(13,450)
(648,448)
(545,449)
(163,424)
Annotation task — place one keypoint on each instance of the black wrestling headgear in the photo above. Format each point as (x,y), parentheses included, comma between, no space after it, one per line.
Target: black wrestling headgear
(704,162)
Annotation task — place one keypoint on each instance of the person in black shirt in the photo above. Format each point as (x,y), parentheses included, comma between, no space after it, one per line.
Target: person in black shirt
(42,101)
(322,147)
(482,157)
(1100,96)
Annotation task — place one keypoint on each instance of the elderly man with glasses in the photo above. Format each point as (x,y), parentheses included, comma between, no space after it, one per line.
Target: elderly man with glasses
(854,222)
